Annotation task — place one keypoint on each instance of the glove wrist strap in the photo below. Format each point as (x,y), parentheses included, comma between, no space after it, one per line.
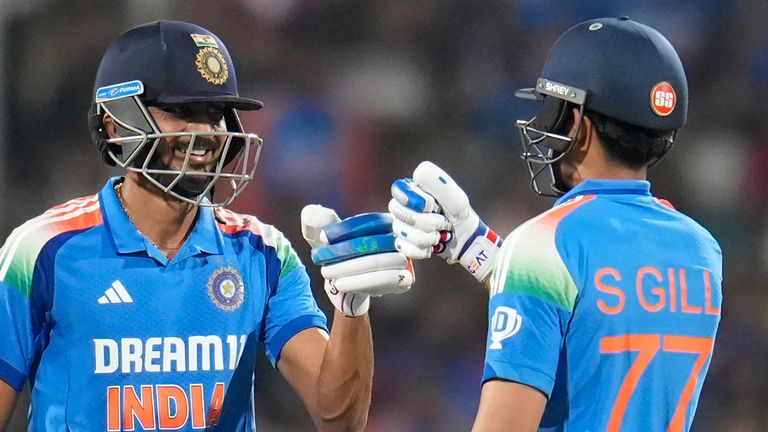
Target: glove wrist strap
(351,305)
(480,254)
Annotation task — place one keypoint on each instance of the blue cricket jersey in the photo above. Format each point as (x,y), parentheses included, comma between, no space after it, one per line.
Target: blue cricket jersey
(113,336)
(608,304)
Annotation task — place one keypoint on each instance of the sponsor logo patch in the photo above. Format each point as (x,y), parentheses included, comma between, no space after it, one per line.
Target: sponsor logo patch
(226,288)
(663,99)
(119,91)
(505,323)
(115,294)
(561,91)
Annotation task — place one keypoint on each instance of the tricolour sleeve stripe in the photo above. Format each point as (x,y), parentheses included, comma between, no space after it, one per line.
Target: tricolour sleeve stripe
(530,262)
(19,254)
(272,237)
(54,213)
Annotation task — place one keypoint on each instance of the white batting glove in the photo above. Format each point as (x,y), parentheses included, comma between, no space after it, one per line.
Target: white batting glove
(433,216)
(359,261)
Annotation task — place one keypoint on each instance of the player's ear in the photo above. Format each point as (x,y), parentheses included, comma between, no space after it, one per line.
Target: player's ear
(110,127)
(587,133)
(577,127)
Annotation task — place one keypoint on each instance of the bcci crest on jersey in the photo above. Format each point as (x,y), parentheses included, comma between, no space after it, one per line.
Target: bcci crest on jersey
(226,288)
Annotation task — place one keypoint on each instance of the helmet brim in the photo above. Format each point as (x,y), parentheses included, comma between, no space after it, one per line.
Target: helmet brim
(529,93)
(235,102)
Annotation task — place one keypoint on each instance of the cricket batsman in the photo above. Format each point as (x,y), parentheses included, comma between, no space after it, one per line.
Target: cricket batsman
(143,307)
(603,310)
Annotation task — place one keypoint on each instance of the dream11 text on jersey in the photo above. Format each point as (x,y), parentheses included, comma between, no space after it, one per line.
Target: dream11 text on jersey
(165,406)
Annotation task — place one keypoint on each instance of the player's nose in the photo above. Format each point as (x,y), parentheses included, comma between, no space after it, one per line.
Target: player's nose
(201,125)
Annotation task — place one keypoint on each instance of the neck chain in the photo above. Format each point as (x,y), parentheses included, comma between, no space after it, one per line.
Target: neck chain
(161,248)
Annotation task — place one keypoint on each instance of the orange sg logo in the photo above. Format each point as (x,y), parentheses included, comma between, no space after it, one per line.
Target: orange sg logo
(162,407)
(663,99)
(656,290)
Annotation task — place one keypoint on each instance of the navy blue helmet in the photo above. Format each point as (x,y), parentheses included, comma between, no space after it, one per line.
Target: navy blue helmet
(615,67)
(167,63)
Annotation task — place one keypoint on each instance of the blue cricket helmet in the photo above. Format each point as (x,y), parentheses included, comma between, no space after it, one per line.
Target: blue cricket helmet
(615,67)
(627,70)
(166,63)
(177,62)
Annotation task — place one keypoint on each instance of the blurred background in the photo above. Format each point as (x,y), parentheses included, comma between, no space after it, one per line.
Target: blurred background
(356,94)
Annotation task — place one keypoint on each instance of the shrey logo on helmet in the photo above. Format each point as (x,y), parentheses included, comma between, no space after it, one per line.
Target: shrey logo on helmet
(663,99)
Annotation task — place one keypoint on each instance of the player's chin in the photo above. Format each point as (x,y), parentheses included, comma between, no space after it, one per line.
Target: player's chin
(190,185)
(194,184)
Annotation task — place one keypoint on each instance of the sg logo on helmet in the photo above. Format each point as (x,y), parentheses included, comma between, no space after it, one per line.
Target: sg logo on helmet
(506,322)
(663,99)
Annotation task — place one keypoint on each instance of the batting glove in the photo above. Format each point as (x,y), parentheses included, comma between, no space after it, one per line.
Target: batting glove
(433,216)
(357,255)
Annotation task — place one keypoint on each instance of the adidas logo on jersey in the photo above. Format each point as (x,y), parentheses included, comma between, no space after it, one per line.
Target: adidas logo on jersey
(116,294)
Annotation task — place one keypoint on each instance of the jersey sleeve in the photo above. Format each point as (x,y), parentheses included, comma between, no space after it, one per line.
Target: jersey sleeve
(531,301)
(291,306)
(22,330)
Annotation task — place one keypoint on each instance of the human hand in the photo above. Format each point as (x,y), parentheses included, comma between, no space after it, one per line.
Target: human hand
(433,216)
(357,255)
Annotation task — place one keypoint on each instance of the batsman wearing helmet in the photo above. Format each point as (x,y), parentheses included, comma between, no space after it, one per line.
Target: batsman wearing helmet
(143,307)
(603,310)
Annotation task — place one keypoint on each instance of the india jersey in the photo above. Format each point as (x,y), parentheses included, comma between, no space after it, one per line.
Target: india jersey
(608,304)
(113,336)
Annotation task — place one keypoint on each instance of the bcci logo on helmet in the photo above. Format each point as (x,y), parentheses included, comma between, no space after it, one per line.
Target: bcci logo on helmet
(212,66)
(506,322)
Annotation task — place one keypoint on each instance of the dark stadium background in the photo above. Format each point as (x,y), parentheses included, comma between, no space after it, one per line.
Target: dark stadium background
(356,94)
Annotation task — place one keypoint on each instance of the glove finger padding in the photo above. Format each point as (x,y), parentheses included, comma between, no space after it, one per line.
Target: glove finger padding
(421,221)
(352,248)
(358,257)
(412,251)
(365,264)
(468,241)
(314,218)
(418,238)
(376,275)
(439,184)
(377,283)
(410,195)
(362,225)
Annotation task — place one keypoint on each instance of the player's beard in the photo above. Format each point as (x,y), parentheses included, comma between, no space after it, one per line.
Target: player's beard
(559,185)
(189,186)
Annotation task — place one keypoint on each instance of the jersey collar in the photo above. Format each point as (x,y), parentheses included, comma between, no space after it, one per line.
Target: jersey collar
(607,187)
(204,237)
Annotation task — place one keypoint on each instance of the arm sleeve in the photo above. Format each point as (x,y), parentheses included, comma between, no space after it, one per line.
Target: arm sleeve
(21,321)
(291,307)
(16,334)
(531,301)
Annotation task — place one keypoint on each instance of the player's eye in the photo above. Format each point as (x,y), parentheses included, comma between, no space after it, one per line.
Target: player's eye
(179,111)
(213,113)
(216,112)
